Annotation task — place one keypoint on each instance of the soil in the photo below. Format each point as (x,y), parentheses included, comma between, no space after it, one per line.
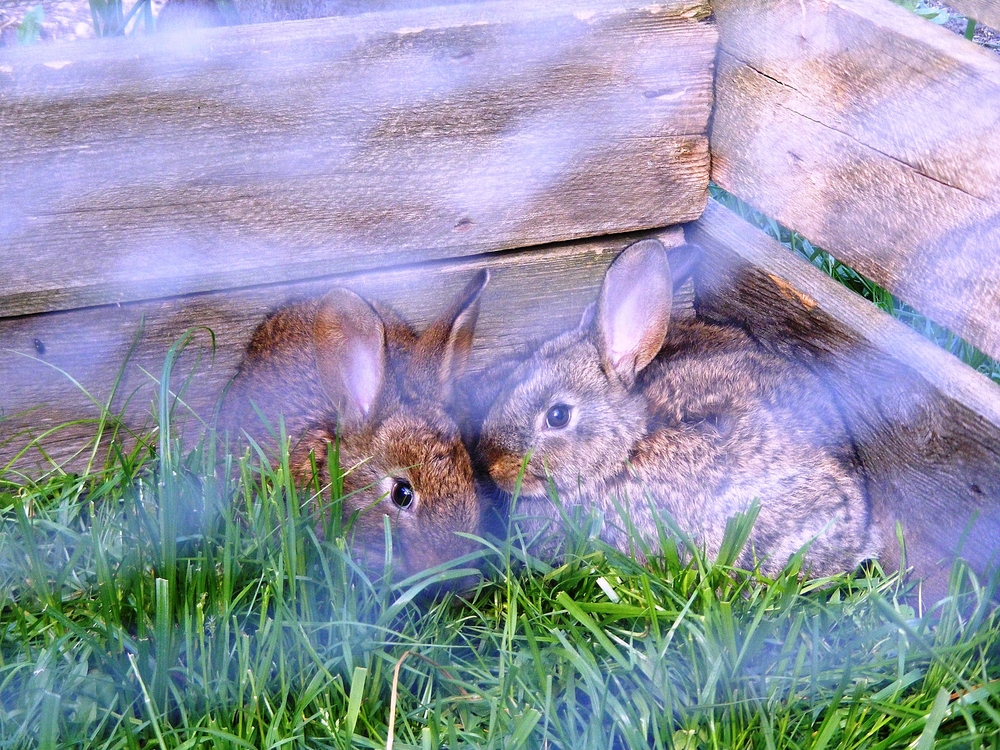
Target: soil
(984,36)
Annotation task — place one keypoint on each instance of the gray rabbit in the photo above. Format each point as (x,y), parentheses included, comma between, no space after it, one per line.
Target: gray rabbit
(340,369)
(686,417)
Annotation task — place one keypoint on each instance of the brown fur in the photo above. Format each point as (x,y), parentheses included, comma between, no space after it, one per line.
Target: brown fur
(405,432)
(713,423)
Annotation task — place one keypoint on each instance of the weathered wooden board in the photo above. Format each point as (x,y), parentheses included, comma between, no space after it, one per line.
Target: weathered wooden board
(264,11)
(225,157)
(926,426)
(986,12)
(877,136)
(532,294)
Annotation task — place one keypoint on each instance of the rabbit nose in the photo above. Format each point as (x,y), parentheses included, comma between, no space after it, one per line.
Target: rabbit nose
(458,586)
(437,551)
(505,468)
(503,458)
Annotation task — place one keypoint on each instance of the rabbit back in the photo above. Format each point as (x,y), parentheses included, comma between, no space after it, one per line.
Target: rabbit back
(635,412)
(731,423)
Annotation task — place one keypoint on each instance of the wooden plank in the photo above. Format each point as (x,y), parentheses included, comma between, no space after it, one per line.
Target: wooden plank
(532,294)
(223,157)
(926,426)
(877,136)
(265,11)
(986,12)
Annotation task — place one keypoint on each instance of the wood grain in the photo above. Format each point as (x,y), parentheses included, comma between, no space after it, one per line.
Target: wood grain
(926,426)
(986,12)
(877,136)
(223,157)
(532,294)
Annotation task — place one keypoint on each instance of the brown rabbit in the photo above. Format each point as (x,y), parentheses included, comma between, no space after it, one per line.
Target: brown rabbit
(694,419)
(337,368)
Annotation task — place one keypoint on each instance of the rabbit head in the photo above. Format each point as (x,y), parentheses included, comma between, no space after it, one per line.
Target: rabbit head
(571,408)
(342,370)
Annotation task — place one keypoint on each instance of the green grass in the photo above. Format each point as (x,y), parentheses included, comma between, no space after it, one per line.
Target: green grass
(29,31)
(161,598)
(862,285)
(925,10)
(111,19)
(165,601)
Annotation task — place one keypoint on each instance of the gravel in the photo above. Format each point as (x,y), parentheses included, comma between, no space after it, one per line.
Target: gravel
(984,36)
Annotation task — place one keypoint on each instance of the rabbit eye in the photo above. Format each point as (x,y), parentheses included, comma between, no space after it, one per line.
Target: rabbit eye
(401,493)
(558,416)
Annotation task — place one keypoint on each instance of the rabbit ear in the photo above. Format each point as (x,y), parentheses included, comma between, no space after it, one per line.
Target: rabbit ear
(587,318)
(349,345)
(449,338)
(633,311)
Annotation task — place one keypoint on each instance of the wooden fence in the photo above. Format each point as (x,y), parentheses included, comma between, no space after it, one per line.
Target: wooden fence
(149,188)
(202,183)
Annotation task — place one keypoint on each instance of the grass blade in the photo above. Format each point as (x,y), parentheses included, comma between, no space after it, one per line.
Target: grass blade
(354,702)
(48,733)
(941,700)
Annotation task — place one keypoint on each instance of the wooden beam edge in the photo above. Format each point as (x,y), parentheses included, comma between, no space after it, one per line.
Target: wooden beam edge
(21,304)
(908,26)
(819,293)
(975,324)
(195,43)
(920,30)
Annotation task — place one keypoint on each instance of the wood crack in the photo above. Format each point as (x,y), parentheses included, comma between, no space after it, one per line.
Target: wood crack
(854,138)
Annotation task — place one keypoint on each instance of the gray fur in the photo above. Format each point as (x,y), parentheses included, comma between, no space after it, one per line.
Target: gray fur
(713,423)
